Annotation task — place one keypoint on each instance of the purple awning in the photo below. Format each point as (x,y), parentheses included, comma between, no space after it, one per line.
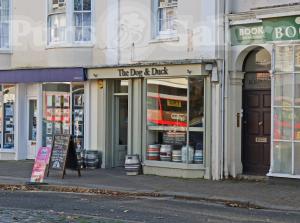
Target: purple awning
(43,75)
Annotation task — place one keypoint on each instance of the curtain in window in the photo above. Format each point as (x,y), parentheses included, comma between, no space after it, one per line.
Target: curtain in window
(82,20)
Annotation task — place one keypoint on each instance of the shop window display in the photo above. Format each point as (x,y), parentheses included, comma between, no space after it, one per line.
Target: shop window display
(61,115)
(175,119)
(286,110)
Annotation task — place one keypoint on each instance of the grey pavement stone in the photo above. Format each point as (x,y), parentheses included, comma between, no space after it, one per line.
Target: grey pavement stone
(261,193)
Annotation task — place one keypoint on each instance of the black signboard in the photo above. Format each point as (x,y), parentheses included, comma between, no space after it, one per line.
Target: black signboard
(63,155)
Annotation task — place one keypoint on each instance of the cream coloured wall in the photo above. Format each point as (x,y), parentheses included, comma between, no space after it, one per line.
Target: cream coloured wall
(29,39)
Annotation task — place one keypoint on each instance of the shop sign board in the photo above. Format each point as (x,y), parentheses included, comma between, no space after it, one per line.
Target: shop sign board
(269,30)
(145,71)
(40,165)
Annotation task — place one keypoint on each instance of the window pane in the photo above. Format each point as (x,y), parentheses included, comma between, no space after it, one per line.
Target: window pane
(297,159)
(284,59)
(282,157)
(283,123)
(78,19)
(57,24)
(171,96)
(86,34)
(297,89)
(297,58)
(77,5)
(8,109)
(78,34)
(87,5)
(87,19)
(196,87)
(297,124)
(283,90)
(4,24)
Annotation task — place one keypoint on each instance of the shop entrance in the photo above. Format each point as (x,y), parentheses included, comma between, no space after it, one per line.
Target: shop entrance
(120,122)
(257,113)
(32,128)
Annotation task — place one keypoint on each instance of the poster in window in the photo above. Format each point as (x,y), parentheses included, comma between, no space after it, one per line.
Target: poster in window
(8,138)
(49,101)
(49,128)
(9,110)
(78,129)
(58,114)
(66,101)
(49,141)
(57,128)
(78,100)
(66,115)
(49,114)
(57,101)
(66,129)
(78,115)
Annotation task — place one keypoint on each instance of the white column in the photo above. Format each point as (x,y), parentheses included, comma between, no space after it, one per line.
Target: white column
(234,132)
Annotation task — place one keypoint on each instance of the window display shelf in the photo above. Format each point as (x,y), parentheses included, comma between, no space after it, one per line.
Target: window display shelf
(174,165)
(281,175)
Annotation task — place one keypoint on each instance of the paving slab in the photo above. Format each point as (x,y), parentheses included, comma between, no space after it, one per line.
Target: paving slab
(263,193)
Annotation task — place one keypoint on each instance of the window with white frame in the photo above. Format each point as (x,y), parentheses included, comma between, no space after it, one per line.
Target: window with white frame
(166,17)
(69,21)
(4,24)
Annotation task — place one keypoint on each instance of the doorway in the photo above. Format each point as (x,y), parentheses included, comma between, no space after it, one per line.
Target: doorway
(32,129)
(120,125)
(257,113)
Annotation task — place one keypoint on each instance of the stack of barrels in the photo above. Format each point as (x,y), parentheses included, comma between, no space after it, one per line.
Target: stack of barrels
(153,152)
(92,159)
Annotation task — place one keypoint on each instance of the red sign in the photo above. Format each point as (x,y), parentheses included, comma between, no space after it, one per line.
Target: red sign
(40,165)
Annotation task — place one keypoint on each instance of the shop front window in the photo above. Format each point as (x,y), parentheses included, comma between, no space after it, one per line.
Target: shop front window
(175,119)
(286,110)
(63,112)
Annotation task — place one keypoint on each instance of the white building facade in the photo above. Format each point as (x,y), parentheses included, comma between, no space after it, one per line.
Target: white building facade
(121,76)
(261,102)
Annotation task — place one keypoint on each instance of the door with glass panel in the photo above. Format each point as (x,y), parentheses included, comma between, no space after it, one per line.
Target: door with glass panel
(120,126)
(32,128)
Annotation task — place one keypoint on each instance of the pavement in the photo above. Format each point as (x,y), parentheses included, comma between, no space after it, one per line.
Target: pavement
(263,193)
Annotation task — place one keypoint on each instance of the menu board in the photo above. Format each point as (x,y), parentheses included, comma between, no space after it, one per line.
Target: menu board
(63,155)
(174,138)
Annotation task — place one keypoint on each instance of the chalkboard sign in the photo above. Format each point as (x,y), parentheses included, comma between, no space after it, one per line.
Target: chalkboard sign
(63,155)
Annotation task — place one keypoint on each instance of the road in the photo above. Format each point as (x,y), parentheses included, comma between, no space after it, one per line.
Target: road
(20,206)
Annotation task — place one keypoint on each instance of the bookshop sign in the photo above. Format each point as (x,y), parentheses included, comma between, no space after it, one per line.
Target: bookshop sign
(269,30)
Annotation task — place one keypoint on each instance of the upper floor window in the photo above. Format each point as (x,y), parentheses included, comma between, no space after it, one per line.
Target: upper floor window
(69,21)
(4,23)
(166,18)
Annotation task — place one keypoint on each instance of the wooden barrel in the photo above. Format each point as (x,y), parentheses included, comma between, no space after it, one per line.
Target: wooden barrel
(132,165)
(176,156)
(166,153)
(153,152)
(198,157)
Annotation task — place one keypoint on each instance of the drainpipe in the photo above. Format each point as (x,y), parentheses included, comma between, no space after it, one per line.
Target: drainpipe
(225,89)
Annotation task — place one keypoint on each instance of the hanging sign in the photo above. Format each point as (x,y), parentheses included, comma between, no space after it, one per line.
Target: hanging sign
(40,164)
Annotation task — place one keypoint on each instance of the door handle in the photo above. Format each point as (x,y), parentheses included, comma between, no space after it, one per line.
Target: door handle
(260,123)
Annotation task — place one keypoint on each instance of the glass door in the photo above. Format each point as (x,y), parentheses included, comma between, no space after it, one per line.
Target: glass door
(32,129)
(121,130)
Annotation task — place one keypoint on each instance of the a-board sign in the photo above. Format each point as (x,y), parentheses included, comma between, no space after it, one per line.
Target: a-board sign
(40,165)
(63,155)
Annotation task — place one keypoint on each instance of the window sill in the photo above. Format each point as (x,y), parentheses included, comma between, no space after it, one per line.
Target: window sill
(7,150)
(164,39)
(5,51)
(74,45)
(173,165)
(283,175)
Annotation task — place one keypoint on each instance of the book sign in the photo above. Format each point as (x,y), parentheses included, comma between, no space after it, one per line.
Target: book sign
(40,165)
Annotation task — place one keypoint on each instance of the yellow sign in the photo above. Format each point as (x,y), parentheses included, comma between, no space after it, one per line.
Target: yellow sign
(173,103)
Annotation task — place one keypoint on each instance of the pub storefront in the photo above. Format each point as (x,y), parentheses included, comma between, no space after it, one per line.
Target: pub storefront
(273,110)
(160,112)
